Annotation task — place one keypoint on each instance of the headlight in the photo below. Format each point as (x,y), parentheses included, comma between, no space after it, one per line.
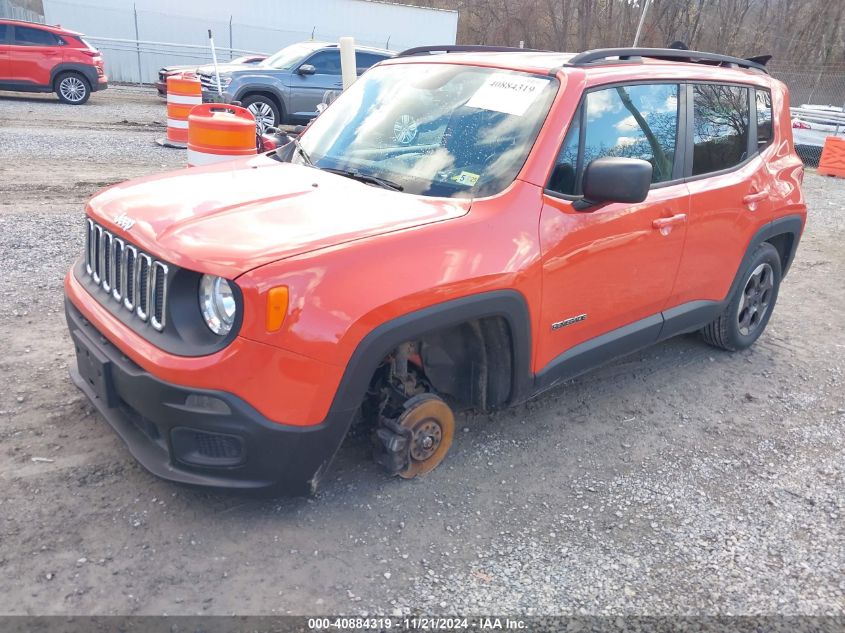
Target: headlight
(217,304)
(224,81)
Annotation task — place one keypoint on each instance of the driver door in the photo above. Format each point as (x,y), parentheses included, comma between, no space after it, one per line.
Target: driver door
(608,270)
(5,32)
(306,90)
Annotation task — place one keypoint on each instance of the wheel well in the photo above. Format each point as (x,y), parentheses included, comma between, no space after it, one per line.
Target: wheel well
(270,95)
(63,73)
(783,243)
(470,363)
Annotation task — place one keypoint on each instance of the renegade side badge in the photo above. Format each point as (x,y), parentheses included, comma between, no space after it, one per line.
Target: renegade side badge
(576,319)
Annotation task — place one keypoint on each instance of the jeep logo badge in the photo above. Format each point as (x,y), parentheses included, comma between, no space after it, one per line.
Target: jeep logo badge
(124,221)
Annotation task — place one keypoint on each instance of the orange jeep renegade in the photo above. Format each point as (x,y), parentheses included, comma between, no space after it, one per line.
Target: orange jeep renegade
(463,227)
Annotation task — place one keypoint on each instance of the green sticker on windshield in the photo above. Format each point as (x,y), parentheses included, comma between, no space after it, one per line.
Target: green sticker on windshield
(466,178)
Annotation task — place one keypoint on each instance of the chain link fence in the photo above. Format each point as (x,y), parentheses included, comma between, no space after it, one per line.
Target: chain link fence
(817,95)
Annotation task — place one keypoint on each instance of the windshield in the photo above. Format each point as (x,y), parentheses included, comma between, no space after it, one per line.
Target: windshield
(433,129)
(288,57)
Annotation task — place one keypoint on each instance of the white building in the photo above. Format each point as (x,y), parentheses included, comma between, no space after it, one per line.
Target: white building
(137,37)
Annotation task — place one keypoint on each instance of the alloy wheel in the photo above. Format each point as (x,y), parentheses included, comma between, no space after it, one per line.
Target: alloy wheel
(72,89)
(405,129)
(263,114)
(756,299)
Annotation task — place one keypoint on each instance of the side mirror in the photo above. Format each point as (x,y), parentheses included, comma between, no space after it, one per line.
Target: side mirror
(306,69)
(614,180)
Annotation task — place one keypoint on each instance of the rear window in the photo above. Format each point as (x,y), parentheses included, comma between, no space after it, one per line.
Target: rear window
(720,127)
(34,37)
(764,118)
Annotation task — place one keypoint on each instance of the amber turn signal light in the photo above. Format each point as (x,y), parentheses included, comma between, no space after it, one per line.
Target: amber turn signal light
(277,307)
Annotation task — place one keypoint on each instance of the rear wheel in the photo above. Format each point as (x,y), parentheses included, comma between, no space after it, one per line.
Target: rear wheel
(265,111)
(72,88)
(750,308)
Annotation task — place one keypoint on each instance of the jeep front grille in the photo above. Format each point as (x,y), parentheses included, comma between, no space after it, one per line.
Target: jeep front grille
(134,279)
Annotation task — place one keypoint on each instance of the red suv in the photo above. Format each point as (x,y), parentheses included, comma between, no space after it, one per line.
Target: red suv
(549,212)
(41,58)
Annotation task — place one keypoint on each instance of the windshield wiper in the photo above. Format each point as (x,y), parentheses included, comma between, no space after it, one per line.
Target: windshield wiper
(302,152)
(369,179)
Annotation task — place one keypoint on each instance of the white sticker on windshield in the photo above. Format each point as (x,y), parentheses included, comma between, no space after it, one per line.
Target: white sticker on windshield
(511,94)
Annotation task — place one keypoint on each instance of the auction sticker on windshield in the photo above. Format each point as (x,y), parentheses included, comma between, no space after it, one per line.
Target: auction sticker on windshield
(511,94)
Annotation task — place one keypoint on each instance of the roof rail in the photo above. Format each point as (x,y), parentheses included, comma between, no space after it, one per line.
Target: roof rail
(462,48)
(667,54)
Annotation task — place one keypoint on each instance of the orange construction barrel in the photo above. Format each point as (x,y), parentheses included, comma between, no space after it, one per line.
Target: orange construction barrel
(832,161)
(218,132)
(184,92)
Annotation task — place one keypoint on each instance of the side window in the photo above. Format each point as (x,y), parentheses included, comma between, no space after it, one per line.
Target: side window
(566,166)
(639,121)
(3,30)
(765,134)
(720,127)
(364,60)
(326,62)
(34,37)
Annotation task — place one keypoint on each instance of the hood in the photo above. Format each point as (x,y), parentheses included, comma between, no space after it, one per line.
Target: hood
(173,69)
(226,68)
(229,218)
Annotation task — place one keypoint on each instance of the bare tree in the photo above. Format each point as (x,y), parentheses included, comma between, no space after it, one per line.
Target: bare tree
(806,31)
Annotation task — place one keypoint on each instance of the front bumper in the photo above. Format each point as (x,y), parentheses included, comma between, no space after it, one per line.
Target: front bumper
(198,436)
(211,96)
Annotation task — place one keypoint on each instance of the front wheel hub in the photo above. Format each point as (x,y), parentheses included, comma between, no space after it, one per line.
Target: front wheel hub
(418,440)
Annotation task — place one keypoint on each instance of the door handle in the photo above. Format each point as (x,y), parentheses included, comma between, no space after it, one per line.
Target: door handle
(664,225)
(752,199)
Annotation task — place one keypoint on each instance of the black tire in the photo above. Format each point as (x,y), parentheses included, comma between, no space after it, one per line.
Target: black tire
(499,362)
(750,307)
(258,105)
(72,88)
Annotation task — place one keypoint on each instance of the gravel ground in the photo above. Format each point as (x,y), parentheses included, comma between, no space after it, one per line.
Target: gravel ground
(681,480)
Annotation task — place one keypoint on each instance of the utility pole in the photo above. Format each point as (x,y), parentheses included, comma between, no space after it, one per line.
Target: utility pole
(642,21)
(137,43)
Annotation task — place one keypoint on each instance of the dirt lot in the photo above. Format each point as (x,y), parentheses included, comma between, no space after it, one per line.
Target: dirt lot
(680,480)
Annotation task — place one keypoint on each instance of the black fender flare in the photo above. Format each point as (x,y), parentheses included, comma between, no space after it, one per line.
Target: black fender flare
(696,314)
(89,72)
(375,346)
(792,225)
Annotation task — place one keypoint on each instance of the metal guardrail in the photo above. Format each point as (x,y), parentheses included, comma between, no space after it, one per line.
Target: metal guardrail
(151,44)
(193,51)
(819,115)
